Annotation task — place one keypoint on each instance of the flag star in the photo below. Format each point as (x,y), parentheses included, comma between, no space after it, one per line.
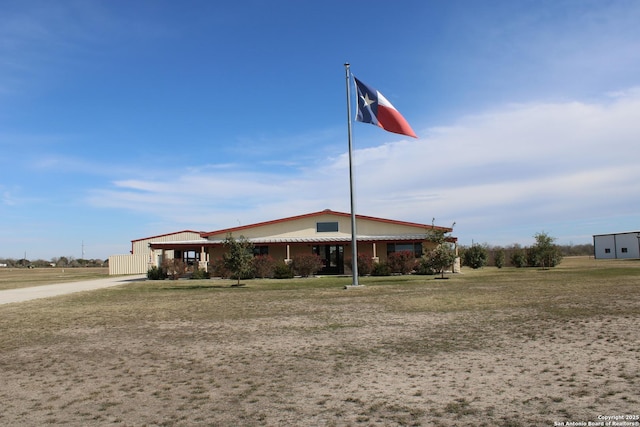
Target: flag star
(367,100)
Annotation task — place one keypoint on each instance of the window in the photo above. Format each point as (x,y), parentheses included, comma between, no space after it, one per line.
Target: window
(326,227)
(623,250)
(190,257)
(416,248)
(607,251)
(260,250)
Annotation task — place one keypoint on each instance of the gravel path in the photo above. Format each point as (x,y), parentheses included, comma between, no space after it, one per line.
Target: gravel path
(25,294)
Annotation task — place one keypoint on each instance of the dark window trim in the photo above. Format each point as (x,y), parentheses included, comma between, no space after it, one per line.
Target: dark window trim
(417,248)
(260,250)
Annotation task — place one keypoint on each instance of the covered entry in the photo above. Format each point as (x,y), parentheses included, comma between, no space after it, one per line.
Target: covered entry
(332,258)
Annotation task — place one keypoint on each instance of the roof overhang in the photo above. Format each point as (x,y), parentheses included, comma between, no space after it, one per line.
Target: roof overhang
(294,240)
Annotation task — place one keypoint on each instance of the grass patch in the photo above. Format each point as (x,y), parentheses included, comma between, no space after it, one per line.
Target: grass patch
(14,278)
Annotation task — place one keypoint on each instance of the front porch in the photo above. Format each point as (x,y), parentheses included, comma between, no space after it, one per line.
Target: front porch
(335,253)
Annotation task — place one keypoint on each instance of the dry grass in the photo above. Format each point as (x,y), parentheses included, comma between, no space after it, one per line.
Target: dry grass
(492,347)
(14,278)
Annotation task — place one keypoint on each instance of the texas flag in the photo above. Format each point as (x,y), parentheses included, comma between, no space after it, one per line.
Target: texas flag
(374,108)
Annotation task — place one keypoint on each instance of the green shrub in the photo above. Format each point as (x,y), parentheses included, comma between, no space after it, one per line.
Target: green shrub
(282,271)
(519,259)
(499,258)
(425,266)
(155,273)
(381,269)
(199,274)
(544,253)
(475,257)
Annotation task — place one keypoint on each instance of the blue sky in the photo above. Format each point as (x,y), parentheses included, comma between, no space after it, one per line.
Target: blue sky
(125,119)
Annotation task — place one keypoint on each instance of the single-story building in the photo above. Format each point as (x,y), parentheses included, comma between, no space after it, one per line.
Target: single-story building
(617,246)
(326,233)
(141,257)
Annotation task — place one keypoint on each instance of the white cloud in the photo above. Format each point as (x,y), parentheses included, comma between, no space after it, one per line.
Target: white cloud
(522,168)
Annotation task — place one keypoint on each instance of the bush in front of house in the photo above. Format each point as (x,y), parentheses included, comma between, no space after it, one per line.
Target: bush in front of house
(175,268)
(426,267)
(218,269)
(155,273)
(282,271)
(402,262)
(263,266)
(365,264)
(306,265)
(200,274)
(381,269)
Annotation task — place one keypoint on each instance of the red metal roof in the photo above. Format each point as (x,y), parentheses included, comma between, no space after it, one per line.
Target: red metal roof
(167,234)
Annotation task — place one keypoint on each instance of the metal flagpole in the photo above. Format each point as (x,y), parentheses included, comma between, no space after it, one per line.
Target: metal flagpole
(354,245)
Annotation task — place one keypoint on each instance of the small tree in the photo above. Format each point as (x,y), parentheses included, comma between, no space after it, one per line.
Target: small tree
(238,258)
(475,257)
(499,258)
(443,255)
(544,253)
(518,257)
(63,261)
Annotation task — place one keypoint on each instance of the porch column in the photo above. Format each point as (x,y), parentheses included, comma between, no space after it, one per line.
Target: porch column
(288,258)
(203,259)
(375,253)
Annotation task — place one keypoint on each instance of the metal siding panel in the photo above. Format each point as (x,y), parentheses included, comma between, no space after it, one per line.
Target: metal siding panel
(628,241)
(602,242)
(128,264)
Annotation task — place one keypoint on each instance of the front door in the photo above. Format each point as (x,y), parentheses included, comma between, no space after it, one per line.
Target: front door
(332,258)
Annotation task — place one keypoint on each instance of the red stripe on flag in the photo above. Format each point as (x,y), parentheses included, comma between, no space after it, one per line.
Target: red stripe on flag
(391,120)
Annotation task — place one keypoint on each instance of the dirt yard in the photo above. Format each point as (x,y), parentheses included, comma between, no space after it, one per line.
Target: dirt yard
(487,348)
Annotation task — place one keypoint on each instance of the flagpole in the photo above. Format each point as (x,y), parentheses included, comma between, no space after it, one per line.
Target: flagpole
(354,244)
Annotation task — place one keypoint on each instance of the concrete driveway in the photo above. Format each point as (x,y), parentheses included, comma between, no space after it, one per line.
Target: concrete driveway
(26,294)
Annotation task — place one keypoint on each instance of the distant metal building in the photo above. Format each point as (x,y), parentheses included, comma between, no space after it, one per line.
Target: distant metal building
(617,246)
